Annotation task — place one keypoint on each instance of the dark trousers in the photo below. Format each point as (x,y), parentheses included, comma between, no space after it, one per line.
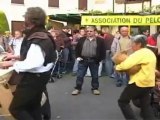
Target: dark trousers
(26,101)
(82,68)
(65,56)
(46,109)
(132,92)
(58,68)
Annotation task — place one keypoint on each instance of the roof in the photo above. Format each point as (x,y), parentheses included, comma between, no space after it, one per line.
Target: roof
(71,18)
(76,18)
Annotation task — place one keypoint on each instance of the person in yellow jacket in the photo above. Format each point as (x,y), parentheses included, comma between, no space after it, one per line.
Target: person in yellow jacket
(140,83)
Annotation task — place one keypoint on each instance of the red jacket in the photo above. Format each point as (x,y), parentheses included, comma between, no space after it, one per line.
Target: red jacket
(151,41)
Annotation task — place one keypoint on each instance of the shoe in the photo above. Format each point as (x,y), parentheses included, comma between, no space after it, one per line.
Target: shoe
(96,92)
(59,76)
(112,76)
(52,80)
(119,84)
(54,74)
(76,92)
(64,72)
(46,117)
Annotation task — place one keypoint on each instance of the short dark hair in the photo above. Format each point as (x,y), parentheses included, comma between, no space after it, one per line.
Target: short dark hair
(82,28)
(142,30)
(36,16)
(75,31)
(65,27)
(93,27)
(140,39)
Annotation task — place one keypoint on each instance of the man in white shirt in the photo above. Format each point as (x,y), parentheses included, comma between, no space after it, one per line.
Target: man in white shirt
(33,69)
(15,43)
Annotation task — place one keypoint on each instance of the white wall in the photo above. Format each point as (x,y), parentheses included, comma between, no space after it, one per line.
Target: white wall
(130,7)
(107,5)
(103,6)
(15,12)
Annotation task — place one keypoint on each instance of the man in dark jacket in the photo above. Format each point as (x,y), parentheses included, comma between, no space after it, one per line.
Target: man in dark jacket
(90,51)
(66,37)
(32,72)
(108,37)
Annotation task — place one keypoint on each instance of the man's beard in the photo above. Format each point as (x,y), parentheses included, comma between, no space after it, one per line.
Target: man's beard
(27,28)
(26,31)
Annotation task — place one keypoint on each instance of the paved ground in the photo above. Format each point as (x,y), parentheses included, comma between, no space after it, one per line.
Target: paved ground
(85,106)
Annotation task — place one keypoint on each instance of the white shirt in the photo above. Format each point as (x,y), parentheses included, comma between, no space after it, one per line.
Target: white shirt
(1,49)
(16,45)
(34,61)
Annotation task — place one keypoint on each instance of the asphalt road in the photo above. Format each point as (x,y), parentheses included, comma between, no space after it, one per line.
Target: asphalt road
(85,106)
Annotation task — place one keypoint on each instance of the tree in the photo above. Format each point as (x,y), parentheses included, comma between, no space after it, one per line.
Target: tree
(3,22)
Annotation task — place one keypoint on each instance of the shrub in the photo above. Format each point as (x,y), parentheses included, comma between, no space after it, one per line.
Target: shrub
(3,22)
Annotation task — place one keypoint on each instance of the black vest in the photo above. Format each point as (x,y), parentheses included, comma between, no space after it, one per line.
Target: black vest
(45,41)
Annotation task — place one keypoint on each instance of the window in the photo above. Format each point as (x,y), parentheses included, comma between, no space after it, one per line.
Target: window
(17,1)
(136,0)
(82,5)
(53,3)
(99,1)
(17,25)
(130,1)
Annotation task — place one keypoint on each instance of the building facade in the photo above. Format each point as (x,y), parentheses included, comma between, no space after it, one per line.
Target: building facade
(119,6)
(15,9)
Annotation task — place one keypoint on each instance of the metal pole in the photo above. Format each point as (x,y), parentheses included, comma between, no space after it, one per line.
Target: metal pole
(150,5)
(124,6)
(142,6)
(113,6)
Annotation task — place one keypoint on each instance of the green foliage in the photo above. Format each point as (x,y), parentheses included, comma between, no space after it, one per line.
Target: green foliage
(98,12)
(3,22)
(49,25)
(154,9)
(95,12)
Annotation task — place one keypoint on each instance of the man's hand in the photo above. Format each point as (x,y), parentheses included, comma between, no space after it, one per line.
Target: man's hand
(134,69)
(79,59)
(157,73)
(70,37)
(118,70)
(9,56)
(6,64)
(158,84)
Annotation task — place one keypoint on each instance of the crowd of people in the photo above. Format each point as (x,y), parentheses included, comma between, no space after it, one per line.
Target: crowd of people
(31,53)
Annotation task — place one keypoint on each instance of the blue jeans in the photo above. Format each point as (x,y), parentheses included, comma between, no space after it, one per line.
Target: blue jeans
(65,55)
(75,67)
(121,78)
(82,68)
(58,68)
(108,64)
